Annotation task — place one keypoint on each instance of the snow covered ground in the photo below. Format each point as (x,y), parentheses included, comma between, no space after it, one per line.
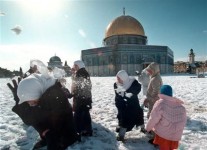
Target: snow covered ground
(14,135)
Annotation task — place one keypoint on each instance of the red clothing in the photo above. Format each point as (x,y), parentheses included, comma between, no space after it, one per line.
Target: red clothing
(165,144)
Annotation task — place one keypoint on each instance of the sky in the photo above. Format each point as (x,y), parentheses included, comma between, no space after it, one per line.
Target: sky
(65,27)
(17,136)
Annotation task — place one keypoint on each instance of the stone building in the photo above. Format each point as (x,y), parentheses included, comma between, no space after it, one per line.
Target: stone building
(55,61)
(191,66)
(180,67)
(125,47)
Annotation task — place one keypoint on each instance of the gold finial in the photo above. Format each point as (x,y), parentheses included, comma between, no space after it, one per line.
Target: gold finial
(124,11)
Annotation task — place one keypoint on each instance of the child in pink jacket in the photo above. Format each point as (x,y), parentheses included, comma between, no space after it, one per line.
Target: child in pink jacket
(167,120)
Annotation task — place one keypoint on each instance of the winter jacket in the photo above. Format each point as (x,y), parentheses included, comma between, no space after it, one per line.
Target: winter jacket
(154,85)
(168,118)
(53,112)
(129,111)
(82,90)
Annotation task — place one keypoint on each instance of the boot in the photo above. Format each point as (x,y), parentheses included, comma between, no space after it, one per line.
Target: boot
(143,130)
(122,132)
(118,138)
(117,129)
(151,142)
(79,137)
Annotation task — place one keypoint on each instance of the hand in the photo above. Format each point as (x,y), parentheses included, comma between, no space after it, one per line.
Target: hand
(14,89)
(146,103)
(67,92)
(121,93)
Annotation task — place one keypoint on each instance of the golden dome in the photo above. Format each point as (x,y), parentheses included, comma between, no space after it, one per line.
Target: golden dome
(124,25)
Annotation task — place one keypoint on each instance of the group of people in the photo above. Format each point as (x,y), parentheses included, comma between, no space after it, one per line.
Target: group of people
(166,114)
(42,102)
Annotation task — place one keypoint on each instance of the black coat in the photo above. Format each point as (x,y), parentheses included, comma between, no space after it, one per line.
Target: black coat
(129,111)
(53,112)
(82,90)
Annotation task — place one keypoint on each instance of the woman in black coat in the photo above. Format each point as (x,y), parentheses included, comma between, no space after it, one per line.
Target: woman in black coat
(82,99)
(50,112)
(126,100)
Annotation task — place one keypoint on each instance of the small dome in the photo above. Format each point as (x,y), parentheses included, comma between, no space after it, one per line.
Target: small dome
(55,59)
(124,25)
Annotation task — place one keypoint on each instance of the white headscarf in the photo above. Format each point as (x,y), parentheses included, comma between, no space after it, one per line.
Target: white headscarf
(154,67)
(79,63)
(32,87)
(127,80)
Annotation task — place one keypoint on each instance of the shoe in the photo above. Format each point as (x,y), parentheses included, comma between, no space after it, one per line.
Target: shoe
(117,128)
(151,142)
(118,138)
(150,134)
(40,144)
(143,130)
(78,137)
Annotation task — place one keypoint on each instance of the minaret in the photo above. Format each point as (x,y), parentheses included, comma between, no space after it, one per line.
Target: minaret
(124,11)
(66,64)
(191,57)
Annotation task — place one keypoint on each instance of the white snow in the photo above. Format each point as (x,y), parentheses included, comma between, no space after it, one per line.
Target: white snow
(14,135)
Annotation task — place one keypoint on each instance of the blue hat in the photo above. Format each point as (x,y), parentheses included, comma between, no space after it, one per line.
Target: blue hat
(166,90)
